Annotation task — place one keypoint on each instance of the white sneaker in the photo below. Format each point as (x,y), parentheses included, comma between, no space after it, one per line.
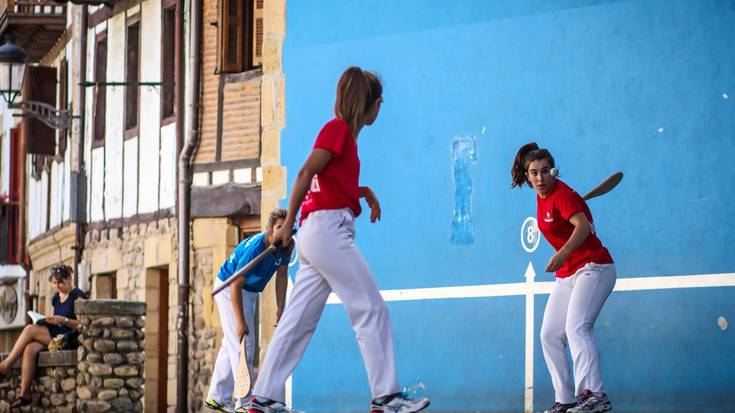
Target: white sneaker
(212,404)
(398,403)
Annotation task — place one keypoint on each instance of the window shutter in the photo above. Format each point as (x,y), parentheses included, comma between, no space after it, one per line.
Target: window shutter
(100,92)
(168,63)
(231,35)
(131,91)
(13,211)
(63,102)
(40,86)
(258,33)
(15,169)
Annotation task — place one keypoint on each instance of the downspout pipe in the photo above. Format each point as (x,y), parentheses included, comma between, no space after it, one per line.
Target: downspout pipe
(81,177)
(186,156)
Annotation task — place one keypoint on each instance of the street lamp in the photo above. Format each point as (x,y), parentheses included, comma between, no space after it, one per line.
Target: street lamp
(12,66)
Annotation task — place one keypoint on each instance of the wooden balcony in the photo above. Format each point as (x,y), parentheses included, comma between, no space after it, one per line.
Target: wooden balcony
(37,24)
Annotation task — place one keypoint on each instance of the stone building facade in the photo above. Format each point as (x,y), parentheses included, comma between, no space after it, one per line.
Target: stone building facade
(123,239)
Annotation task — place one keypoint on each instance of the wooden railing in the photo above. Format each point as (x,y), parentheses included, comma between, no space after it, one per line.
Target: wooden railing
(32,8)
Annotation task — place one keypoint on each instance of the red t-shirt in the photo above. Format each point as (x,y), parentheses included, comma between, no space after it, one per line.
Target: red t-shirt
(553,220)
(335,186)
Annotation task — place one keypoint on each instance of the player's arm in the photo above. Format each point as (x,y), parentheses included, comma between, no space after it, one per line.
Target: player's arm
(281,286)
(317,160)
(372,201)
(236,293)
(60,320)
(579,234)
(282,281)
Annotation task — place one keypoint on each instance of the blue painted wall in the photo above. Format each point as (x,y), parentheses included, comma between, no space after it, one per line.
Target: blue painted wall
(645,87)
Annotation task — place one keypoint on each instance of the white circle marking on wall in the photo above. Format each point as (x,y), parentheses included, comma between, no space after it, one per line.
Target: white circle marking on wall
(530,236)
(722,322)
(294,257)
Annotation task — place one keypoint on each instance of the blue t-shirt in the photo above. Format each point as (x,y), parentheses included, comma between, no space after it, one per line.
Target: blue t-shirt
(65,309)
(245,251)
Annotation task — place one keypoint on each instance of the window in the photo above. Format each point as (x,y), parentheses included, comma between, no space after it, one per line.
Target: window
(168,84)
(132,79)
(105,286)
(100,91)
(240,35)
(10,236)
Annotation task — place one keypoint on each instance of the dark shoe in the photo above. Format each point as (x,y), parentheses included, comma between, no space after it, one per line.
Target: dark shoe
(560,407)
(589,403)
(20,402)
(398,403)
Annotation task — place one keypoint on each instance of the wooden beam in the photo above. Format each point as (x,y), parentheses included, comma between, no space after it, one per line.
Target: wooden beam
(58,47)
(100,16)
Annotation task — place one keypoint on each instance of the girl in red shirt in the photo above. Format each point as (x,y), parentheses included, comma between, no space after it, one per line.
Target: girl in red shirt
(585,277)
(327,191)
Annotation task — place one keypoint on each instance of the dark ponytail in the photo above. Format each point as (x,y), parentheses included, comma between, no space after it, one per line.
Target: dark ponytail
(528,153)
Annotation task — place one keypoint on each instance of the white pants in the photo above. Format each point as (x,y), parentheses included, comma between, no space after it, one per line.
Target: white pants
(570,315)
(222,385)
(330,261)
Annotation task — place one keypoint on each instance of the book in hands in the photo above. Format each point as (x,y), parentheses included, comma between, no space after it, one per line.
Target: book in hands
(36,318)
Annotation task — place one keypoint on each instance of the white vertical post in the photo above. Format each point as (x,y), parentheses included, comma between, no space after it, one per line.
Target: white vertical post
(528,387)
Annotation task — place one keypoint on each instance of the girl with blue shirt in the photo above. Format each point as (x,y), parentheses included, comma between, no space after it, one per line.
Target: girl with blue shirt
(236,306)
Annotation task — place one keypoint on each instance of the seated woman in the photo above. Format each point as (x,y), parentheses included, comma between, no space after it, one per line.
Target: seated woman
(35,337)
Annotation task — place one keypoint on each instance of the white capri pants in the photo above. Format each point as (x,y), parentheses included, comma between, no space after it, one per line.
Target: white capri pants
(574,304)
(330,261)
(222,384)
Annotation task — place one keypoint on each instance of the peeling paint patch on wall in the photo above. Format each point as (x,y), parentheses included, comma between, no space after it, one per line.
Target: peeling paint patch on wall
(464,154)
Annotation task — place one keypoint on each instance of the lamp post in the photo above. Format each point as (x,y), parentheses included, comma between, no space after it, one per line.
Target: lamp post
(12,66)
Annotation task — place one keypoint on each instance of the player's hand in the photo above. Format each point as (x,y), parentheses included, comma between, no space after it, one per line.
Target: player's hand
(374,205)
(242,330)
(283,235)
(279,313)
(375,212)
(556,261)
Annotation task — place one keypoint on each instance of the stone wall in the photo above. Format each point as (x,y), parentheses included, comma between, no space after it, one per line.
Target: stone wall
(111,358)
(128,250)
(54,389)
(143,258)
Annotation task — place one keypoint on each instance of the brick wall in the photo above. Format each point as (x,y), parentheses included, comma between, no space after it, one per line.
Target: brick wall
(241,103)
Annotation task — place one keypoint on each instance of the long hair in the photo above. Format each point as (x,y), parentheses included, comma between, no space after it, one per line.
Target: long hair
(528,153)
(357,92)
